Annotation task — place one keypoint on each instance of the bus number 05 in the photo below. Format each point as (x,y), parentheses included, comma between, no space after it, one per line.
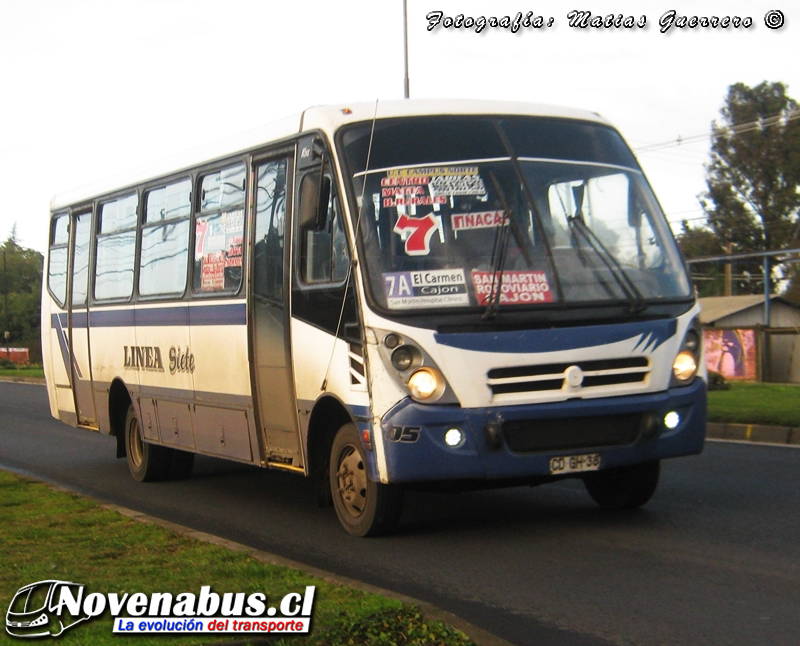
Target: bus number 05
(403,434)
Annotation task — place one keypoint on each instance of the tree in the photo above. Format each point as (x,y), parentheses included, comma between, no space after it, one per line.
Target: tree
(753,177)
(709,278)
(22,290)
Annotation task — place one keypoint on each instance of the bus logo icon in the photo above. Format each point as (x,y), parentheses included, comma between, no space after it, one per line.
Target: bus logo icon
(37,611)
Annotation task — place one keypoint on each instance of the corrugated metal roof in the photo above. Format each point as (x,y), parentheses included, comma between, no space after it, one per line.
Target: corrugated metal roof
(714,308)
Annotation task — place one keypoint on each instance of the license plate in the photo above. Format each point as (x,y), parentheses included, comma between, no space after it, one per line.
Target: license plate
(575,463)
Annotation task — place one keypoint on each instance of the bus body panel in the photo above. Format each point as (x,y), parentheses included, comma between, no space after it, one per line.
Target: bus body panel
(429,459)
(55,352)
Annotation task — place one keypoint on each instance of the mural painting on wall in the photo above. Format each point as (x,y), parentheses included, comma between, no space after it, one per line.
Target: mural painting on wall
(732,353)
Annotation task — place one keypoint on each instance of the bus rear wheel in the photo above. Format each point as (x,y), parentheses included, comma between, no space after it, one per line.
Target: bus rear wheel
(364,507)
(623,487)
(146,462)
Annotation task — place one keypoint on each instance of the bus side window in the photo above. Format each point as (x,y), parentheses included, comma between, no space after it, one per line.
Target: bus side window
(324,256)
(57,267)
(219,231)
(116,245)
(165,240)
(80,269)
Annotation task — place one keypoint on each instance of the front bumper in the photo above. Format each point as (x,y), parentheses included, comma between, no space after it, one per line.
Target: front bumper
(530,435)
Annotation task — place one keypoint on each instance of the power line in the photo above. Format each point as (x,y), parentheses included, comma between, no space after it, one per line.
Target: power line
(748,126)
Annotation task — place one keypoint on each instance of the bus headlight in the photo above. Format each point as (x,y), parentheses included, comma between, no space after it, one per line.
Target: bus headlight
(426,384)
(685,366)
(687,362)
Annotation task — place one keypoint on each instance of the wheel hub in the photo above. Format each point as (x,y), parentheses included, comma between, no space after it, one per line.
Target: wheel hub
(352,482)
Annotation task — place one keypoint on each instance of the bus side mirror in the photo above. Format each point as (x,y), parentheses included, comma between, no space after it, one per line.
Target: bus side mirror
(315,193)
(635,208)
(577,196)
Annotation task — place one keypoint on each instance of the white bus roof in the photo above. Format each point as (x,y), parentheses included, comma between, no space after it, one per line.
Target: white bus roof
(327,118)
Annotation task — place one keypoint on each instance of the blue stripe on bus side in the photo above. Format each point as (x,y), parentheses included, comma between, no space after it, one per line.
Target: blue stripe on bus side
(181,315)
(233,314)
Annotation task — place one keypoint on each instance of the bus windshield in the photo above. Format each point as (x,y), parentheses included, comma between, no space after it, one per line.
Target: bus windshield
(494,213)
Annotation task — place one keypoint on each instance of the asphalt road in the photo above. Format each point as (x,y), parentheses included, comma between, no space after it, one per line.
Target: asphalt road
(713,559)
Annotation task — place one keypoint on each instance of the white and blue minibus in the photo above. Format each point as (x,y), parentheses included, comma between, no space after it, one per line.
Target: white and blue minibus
(427,294)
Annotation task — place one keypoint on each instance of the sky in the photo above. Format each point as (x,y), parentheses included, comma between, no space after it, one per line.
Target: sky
(92,88)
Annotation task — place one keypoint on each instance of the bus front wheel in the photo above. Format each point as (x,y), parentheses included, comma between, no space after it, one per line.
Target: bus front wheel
(364,507)
(147,462)
(623,487)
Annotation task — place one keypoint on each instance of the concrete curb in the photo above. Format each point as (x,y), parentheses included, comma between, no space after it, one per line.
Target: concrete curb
(756,433)
(427,610)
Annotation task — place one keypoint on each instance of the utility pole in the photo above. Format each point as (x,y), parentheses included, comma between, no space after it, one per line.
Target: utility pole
(406,82)
(728,271)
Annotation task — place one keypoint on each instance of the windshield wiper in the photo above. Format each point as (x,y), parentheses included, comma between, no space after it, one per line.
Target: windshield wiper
(616,270)
(500,251)
(500,247)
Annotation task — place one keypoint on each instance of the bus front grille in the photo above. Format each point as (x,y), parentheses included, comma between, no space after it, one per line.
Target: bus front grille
(551,377)
(527,436)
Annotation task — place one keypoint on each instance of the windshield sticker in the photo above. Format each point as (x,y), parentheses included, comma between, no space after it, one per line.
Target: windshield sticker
(518,287)
(404,181)
(457,185)
(434,170)
(213,272)
(484,220)
(434,288)
(233,221)
(409,196)
(417,233)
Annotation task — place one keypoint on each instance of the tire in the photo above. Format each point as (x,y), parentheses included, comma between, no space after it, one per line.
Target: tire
(147,462)
(623,487)
(365,508)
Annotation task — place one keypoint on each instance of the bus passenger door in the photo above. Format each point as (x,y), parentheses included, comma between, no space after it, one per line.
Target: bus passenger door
(79,350)
(269,324)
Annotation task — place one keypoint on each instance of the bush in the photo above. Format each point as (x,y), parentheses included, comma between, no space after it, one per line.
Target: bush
(717,382)
(7,364)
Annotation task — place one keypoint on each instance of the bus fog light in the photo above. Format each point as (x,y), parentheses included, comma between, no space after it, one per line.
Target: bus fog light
(672,420)
(453,437)
(426,384)
(685,366)
(403,358)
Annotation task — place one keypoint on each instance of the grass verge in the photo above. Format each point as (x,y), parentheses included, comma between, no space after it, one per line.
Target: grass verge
(22,372)
(755,403)
(48,534)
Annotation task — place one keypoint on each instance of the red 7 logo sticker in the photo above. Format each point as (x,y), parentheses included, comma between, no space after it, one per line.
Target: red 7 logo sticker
(417,233)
